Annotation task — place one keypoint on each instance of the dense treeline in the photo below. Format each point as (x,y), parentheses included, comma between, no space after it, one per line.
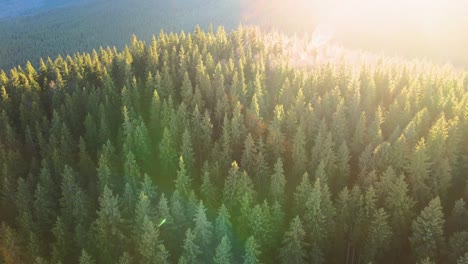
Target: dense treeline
(212,147)
(89,24)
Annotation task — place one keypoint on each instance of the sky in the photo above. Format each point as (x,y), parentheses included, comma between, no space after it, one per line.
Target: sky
(436,29)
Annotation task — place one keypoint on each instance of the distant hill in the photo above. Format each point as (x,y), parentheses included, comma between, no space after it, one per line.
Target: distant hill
(42,28)
(94,23)
(16,8)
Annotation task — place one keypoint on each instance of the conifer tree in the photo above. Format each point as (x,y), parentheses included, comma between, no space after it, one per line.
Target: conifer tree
(223,253)
(85,258)
(378,237)
(294,245)
(149,242)
(191,251)
(203,231)
(278,183)
(302,192)
(167,153)
(299,153)
(223,225)
(427,236)
(183,182)
(209,192)
(251,252)
(108,227)
(186,151)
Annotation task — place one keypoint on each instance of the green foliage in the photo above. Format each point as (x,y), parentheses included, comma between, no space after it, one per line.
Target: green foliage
(223,252)
(319,163)
(294,245)
(428,231)
(251,251)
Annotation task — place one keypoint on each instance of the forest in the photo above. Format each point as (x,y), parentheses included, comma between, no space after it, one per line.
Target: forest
(216,147)
(88,24)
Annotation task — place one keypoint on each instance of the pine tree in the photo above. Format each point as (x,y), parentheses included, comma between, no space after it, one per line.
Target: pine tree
(378,237)
(299,153)
(259,224)
(143,210)
(393,191)
(323,151)
(191,251)
(164,211)
(183,182)
(223,253)
(276,137)
(209,192)
(104,174)
(148,242)
(342,175)
(294,245)
(223,225)
(251,252)
(203,231)
(186,151)
(459,213)
(167,153)
(108,227)
(427,237)
(457,245)
(278,183)
(45,201)
(132,170)
(147,186)
(23,203)
(85,258)
(248,154)
(236,185)
(302,192)
(61,248)
(418,173)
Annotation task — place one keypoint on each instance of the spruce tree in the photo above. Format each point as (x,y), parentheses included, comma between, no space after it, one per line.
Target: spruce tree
(427,237)
(223,253)
(294,245)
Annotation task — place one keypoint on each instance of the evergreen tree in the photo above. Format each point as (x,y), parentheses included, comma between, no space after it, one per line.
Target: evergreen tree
(252,253)
(379,236)
(457,245)
(278,183)
(223,253)
(303,191)
(167,153)
(203,231)
(299,153)
(187,151)
(248,154)
(85,258)
(223,225)
(294,245)
(108,227)
(427,237)
(208,190)
(191,251)
(183,182)
(149,242)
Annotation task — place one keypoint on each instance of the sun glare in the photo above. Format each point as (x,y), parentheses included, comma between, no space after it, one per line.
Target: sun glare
(407,27)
